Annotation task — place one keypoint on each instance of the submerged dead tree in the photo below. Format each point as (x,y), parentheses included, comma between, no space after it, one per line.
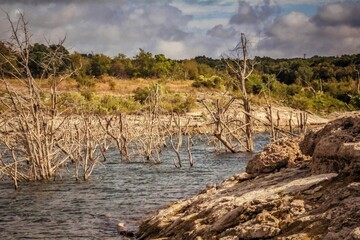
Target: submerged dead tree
(176,131)
(242,67)
(33,127)
(118,129)
(228,127)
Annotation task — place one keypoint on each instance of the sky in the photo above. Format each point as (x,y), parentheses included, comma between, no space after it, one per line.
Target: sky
(188,28)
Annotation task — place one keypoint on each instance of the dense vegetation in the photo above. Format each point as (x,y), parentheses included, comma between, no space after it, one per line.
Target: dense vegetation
(319,84)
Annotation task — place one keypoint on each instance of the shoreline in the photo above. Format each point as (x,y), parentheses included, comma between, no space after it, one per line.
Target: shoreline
(284,194)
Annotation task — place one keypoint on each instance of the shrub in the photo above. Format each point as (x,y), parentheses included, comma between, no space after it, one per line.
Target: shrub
(113,105)
(143,94)
(178,103)
(88,94)
(293,89)
(214,82)
(72,101)
(86,82)
(355,101)
(254,84)
(300,101)
(321,103)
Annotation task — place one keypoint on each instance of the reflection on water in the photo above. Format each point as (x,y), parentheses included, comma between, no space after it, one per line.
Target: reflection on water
(116,192)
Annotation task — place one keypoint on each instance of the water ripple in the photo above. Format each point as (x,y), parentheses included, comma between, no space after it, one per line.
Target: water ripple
(66,209)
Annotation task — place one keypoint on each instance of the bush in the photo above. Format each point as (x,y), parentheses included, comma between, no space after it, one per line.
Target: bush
(321,103)
(88,94)
(114,105)
(254,84)
(86,82)
(300,101)
(214,82)
(72,101)
(355,101)
(143,94)
(177,103)
(293,89)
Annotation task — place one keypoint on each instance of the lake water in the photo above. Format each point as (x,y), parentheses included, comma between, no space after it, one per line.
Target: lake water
(116,192)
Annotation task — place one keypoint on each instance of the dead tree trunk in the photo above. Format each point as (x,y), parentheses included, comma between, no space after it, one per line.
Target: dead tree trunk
(228,130)
(239,67)
(32,132)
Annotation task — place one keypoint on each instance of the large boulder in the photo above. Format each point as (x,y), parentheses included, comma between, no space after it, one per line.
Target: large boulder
(284,152)
(336,147)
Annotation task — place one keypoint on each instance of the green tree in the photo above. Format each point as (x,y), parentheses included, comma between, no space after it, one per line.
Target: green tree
(143,64)
(100,65)
(324,71)
(80,62)
(48,60)
(162,66)
(7,60)
(121,66)
(304,74)
(190,69)
(38,55)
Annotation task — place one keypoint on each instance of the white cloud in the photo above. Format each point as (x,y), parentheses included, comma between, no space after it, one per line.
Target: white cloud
(173,48)
(187,28)
(294,34)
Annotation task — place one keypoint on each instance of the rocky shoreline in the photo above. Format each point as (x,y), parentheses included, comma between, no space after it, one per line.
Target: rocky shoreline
(295,189)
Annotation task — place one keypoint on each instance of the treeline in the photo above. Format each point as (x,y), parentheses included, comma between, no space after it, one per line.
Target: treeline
(143,65)
(315,84)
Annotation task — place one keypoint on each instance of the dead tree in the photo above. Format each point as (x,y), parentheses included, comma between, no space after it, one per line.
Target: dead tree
(82,143)
(117,127)
(31,127)
(302,119)
(228,128)
(176,142)
(242,68)
(89,144)
(149,135)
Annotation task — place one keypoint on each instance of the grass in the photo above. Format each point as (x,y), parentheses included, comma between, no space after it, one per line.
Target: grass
(175,91)
(110,85)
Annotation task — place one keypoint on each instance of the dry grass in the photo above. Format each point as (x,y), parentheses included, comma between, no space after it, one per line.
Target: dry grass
(110,85)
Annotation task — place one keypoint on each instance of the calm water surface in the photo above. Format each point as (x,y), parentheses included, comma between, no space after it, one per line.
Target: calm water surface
(66,209)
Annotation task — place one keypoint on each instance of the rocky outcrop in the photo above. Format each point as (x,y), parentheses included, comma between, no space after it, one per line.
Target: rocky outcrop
(336,147)
(292,202)
(259,208)
(284,152)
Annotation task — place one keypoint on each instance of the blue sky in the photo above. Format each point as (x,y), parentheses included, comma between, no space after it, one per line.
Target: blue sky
(188,28)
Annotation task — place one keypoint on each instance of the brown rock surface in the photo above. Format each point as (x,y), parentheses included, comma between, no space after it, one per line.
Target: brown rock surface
(290,203)
(336,147)
(282,153)
(270,205)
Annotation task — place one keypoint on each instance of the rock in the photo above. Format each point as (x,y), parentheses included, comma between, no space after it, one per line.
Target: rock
(297,207)
(264,225)
(121,228)
(355,234)
(243,177)
(281,153)
(336,147)
(290,203)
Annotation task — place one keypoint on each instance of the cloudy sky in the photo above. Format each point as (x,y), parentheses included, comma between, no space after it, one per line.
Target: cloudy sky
(188,28)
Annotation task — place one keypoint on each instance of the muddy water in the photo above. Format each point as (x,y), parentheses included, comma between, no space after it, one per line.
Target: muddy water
(66,209)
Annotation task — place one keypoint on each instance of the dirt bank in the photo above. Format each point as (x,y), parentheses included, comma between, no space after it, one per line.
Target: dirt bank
(288,192)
